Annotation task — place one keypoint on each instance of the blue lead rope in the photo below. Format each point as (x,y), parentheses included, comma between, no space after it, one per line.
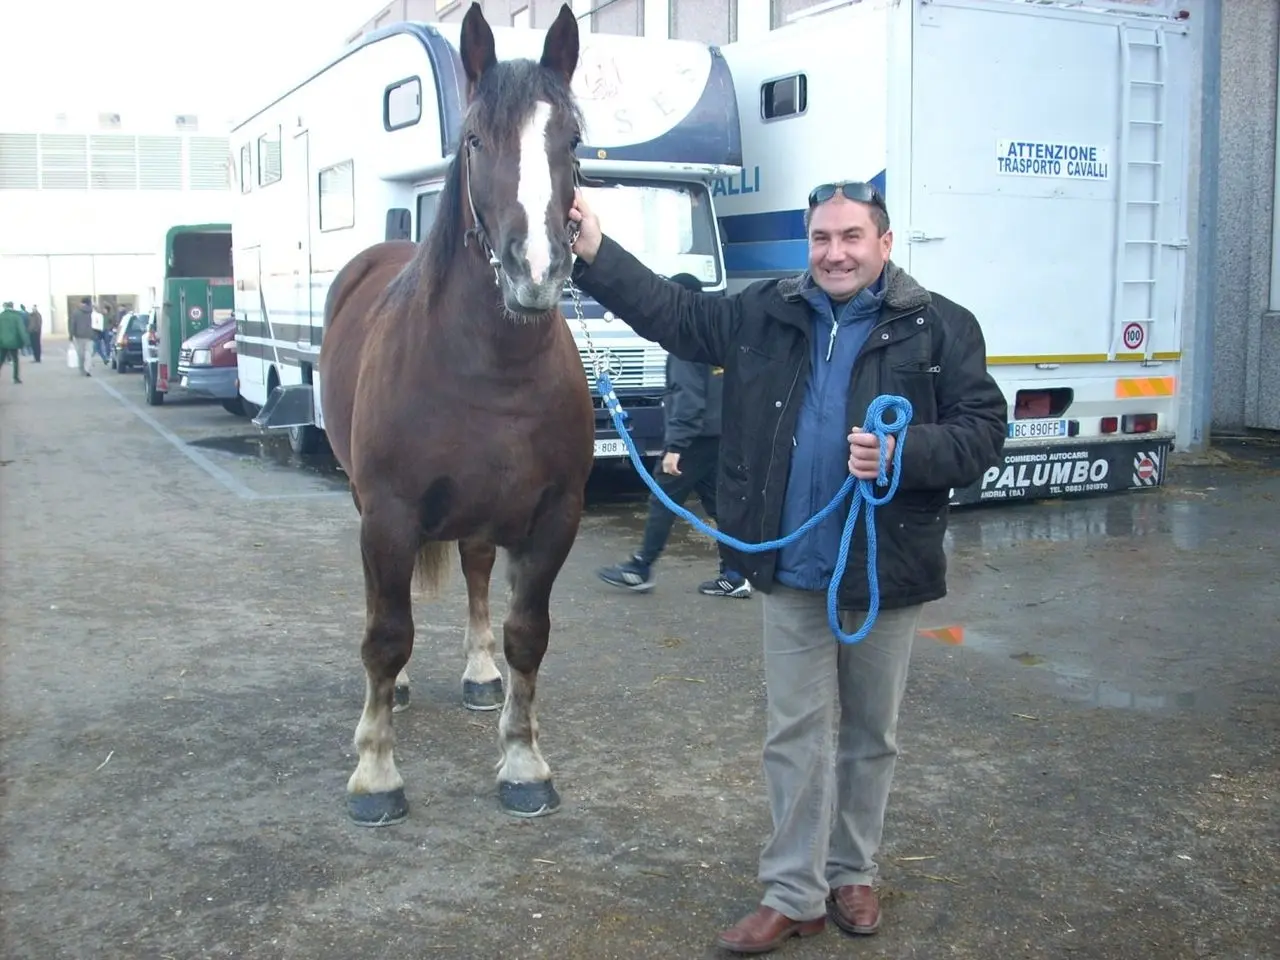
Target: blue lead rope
(863,491)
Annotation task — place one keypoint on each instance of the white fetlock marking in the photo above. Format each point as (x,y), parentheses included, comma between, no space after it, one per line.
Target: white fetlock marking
(376,770)
(478,644)
(402,678)
(533,191)
(523,764)
(522,761)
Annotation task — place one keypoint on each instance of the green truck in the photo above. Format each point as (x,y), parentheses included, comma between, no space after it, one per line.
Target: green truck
(198,291)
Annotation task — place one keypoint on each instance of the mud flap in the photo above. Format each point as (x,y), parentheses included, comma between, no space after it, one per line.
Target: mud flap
(289,406)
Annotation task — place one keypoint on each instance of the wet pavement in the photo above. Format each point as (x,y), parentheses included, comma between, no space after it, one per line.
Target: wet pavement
(1089,763)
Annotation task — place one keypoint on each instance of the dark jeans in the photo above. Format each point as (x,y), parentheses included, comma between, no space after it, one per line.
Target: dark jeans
(698,465)
(35,346)
(5,354)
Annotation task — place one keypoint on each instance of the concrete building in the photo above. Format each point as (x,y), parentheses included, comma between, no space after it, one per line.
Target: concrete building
(1238,309)
(86,199)
(1232,350)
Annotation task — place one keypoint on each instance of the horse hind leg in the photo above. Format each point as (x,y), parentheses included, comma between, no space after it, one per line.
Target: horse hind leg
(429,575)
(481,679)
(524,777)
(389,548)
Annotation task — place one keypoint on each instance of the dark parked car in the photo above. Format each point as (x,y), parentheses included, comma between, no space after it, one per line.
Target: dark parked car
(126,341)
(207,365)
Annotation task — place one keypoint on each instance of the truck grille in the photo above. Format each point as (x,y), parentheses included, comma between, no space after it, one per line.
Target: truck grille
(630,367)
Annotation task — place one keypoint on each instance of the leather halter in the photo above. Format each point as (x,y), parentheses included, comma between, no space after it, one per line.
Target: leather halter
(481,235)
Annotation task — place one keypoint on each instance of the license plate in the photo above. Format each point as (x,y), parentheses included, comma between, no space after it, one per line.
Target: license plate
(1037,429)
(611,448)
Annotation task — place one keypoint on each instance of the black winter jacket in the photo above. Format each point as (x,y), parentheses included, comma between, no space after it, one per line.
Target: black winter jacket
(923,347)
(692,402)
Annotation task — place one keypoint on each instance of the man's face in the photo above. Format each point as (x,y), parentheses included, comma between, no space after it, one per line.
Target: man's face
(846,254)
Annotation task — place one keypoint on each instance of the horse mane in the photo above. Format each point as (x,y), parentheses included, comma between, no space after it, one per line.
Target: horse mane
(447,232)
(504,98)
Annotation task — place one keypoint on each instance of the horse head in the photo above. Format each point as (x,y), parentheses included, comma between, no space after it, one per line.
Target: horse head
(521,128)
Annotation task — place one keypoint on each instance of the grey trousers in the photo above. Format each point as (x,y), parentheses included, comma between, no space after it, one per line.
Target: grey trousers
(827,791)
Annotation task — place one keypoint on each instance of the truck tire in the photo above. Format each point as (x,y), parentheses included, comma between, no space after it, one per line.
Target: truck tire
(304,439)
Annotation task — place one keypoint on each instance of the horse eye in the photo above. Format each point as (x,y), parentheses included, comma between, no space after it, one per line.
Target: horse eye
(575,143)
(473,141)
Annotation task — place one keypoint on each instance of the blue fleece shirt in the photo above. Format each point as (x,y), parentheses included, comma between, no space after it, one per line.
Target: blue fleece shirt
(820,454)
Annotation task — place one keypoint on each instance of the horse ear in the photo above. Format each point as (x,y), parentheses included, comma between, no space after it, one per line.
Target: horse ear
(560,50)
(476,47)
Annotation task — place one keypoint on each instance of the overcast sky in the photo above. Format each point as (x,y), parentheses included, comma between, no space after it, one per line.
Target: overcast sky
(195,56)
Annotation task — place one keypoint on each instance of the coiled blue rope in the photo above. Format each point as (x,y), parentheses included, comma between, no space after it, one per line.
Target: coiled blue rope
(863,491)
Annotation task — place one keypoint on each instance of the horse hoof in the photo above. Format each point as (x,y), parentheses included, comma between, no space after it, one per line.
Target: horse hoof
(401,701)
(378,809)
(482,696)
(529,800)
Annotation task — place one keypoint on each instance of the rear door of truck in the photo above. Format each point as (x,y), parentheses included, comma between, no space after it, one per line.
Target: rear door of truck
(1047,177)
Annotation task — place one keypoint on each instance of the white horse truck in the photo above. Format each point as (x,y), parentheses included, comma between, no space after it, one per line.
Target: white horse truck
(1033,156)
(357,154)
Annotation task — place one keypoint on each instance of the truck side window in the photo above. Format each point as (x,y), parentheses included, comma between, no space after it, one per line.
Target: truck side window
(402,104)
(427,204)
(784,97)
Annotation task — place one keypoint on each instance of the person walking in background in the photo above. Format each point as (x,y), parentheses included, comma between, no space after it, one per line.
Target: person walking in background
(35,331)
(22,312)
(81,333)
(692,453)
(13,336)
(99,323)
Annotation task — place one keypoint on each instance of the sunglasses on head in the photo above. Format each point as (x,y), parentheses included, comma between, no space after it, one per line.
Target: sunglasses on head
(852,190)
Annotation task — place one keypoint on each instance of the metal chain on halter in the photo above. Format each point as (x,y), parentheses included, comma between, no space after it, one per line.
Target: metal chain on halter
(597,364)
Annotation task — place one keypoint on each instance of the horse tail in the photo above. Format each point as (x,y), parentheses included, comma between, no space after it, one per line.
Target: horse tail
(431,570)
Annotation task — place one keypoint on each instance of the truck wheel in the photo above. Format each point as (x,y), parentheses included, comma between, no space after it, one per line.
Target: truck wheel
(234,407)
(304,439)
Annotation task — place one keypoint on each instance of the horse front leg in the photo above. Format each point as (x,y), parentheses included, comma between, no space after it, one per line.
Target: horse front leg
(375,791)
(524,777)
(481,680)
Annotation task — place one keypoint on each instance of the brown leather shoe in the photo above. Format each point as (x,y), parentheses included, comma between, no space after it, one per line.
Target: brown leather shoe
(856,909)
(766,929)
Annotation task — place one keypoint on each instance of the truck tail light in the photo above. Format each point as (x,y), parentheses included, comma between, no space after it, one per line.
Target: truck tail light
(1109,424)
(1139,422)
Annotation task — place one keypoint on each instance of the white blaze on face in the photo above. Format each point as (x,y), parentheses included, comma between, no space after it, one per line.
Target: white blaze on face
(534,190)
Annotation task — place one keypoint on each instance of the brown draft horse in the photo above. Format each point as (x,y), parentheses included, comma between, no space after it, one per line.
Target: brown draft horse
(455,400)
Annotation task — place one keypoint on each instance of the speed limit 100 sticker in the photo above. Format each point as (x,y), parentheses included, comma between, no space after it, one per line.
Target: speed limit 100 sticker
(1134,335)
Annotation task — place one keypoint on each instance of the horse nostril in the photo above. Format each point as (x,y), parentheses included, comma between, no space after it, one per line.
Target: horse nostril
(513,253)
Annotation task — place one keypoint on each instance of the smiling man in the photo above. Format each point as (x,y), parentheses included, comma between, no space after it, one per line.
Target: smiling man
(803,359)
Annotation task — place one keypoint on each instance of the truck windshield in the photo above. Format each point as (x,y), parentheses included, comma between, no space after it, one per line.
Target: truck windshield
(667,226)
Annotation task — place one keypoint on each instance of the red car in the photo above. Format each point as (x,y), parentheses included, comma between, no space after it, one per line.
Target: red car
(207,366)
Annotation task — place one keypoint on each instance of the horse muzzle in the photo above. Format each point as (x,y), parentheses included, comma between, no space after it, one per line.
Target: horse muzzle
(531,299)
(522,294)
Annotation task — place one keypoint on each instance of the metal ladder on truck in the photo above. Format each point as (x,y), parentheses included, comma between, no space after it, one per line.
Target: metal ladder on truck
(1144,67)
